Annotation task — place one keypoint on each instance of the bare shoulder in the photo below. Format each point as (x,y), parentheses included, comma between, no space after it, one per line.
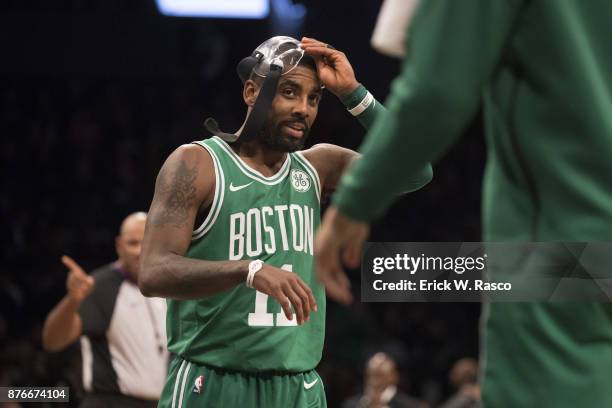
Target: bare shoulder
(330,161)
(191,154)
(326,150)
(327,155)
(186,181)
(188,160)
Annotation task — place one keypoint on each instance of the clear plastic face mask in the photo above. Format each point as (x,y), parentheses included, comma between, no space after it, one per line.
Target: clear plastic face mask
(282,51)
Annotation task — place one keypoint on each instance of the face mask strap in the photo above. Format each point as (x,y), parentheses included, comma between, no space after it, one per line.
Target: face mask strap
(262,105)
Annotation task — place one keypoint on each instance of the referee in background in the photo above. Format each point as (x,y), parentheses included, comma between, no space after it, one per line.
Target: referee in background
(122,333)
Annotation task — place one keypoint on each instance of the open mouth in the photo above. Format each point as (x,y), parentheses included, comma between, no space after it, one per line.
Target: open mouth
(294,129)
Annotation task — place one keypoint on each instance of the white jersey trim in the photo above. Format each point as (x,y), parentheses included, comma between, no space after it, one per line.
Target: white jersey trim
(217,203)
(251,173)
(312,171)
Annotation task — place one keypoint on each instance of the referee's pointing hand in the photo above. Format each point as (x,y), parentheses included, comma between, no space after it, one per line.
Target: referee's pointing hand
(78,283)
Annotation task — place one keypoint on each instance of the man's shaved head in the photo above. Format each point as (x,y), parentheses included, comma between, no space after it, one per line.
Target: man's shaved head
(131,221)
(129,243)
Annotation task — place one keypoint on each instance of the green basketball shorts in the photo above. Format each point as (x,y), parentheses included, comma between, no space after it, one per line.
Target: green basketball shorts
(190,385)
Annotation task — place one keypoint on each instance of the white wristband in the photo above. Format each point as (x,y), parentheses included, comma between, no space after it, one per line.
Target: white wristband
(254,267)
(363,105)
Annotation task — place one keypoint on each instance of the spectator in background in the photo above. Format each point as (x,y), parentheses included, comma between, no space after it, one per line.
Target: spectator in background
(123,343)
(380,387)
(464,378)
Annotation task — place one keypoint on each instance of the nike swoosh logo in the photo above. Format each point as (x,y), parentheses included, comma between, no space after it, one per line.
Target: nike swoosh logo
(310,385)
(236,188)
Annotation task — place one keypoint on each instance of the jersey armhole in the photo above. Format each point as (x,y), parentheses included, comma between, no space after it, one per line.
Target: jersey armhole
(312,171)
(215,207)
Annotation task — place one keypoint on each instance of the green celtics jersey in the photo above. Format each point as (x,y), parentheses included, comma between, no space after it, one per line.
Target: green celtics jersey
(253,217)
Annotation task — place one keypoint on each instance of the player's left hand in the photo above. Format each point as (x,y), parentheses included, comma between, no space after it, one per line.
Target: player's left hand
(339,237)
(334,69)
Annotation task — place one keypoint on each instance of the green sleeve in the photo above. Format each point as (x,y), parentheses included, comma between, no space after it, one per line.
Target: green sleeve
(454,47)
(367,118)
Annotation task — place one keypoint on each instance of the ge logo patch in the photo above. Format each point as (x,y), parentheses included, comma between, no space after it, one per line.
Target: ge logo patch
(300,181)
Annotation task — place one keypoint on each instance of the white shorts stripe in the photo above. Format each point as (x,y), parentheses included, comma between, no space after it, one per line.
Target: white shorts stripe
(176,383)
(180,403)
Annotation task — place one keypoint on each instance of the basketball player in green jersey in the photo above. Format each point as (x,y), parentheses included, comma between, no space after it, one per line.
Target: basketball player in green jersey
(542,70)
(246,317)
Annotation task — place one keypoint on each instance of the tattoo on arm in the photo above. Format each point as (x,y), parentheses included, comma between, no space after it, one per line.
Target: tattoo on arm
(177,195)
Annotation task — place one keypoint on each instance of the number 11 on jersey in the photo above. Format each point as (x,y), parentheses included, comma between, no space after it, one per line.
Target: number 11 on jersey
(261,317)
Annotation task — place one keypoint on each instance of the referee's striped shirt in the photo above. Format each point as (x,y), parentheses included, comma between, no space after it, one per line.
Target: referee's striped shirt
(123,343)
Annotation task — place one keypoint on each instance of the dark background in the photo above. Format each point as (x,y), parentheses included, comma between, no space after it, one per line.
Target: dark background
(95,94)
